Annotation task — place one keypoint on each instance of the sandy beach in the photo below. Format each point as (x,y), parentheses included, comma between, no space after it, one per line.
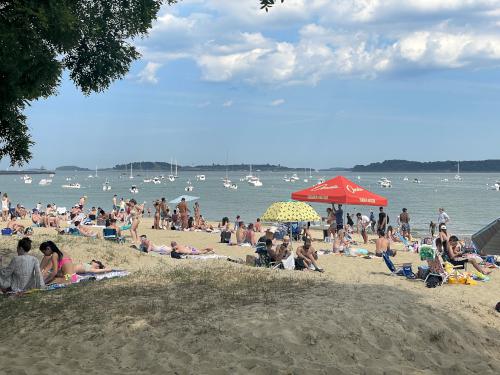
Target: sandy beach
(218,317)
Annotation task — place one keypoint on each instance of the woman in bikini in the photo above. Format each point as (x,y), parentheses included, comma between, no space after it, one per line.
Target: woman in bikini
(135,217)
(94,266)
(56,268)
(189,250)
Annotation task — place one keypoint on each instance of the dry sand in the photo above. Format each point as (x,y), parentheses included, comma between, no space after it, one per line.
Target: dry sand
(217,317)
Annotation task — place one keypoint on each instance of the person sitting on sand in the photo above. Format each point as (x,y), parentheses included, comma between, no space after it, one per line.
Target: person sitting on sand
(240,233)
(15,226)
(308,256)
(383,245)
(20,211)
(455,255)
(282,250)
(148,246)
(51,218)
(189,250)
(36,218)
(249,235)
(340,243)
(94,266)
(390,235)
(56,268)
(23,272)
(111,224)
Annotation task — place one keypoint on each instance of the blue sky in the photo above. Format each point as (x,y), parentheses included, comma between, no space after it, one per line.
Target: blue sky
(334,83)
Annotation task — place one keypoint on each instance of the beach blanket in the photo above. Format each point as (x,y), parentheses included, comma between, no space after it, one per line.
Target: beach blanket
(204,257)
(91,277)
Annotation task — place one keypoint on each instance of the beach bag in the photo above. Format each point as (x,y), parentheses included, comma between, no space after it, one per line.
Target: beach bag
(433,281)
(6,232)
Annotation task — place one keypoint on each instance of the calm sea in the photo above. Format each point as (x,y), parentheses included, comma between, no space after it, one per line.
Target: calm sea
(469,202)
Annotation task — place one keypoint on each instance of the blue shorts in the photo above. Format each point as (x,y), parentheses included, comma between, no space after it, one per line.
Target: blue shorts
(405,227)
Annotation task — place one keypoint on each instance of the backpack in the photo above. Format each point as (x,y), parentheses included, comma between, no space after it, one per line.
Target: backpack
(225,237)
(6,232)
(433,281)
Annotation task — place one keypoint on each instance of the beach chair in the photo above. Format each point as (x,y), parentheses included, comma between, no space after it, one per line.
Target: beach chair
(110,234)
(405,242)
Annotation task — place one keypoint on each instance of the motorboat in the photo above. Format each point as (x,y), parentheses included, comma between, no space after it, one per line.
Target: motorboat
(106,186)
(416,181)
(406,178)
(45,181)
(134,189)
(68,179)
(200,177)
(147,180)
(171,177)
(287,179)
(497,186)
(156,180)
(294,177)
(255,181)
(51,175)
(445,180)
(27,179)
(385,182)
(233,187)
(75,185)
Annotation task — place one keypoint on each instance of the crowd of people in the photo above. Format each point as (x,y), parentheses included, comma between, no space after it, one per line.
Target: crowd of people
(272,244)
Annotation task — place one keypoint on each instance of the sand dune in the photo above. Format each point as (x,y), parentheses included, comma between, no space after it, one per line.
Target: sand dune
(216,317)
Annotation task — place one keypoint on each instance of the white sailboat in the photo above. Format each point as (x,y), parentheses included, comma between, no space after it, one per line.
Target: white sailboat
(171,176)
(157,180)
(457,176)
(131,174)
(305,175)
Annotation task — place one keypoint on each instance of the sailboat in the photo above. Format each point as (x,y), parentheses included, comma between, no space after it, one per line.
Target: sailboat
(171,176)
(176,175)
(305,175)
(457,176)
(131,175)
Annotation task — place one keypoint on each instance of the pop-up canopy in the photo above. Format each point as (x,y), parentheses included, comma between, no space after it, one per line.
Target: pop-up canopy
(342,191)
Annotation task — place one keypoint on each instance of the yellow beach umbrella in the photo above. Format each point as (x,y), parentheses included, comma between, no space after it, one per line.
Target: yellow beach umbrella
(290,212)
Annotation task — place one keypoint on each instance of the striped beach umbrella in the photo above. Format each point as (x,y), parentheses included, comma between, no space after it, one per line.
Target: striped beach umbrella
(290,212)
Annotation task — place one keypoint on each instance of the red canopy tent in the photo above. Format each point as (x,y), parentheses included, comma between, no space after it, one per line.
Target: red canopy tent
(340,190)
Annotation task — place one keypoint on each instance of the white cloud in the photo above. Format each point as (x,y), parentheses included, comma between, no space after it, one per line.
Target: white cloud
(148,74)
(204,104)
(227,104)
(277,102)
(322,38)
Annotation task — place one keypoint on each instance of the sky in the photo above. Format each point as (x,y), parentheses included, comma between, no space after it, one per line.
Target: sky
(312,83)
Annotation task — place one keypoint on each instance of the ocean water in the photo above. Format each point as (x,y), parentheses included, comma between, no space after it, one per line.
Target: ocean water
(469,202)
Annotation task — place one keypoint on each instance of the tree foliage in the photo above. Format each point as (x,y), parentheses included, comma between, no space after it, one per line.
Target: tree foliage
(39,39)
(267,4)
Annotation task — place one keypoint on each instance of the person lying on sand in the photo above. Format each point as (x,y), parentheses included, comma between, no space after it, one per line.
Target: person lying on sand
(189,250)
(15,226)
(308,256)
(148,246)
(23,272)
(56,268)
(383,245)
(94,266)
(84,231)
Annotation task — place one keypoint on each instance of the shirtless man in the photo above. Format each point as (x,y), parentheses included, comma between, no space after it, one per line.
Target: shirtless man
(183,213)
(115,203)
(240,233)
(383,245)
(84,231)
(156,222)
(281,252)
(164,211)
(308,255)
(189,250)
(404,219)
